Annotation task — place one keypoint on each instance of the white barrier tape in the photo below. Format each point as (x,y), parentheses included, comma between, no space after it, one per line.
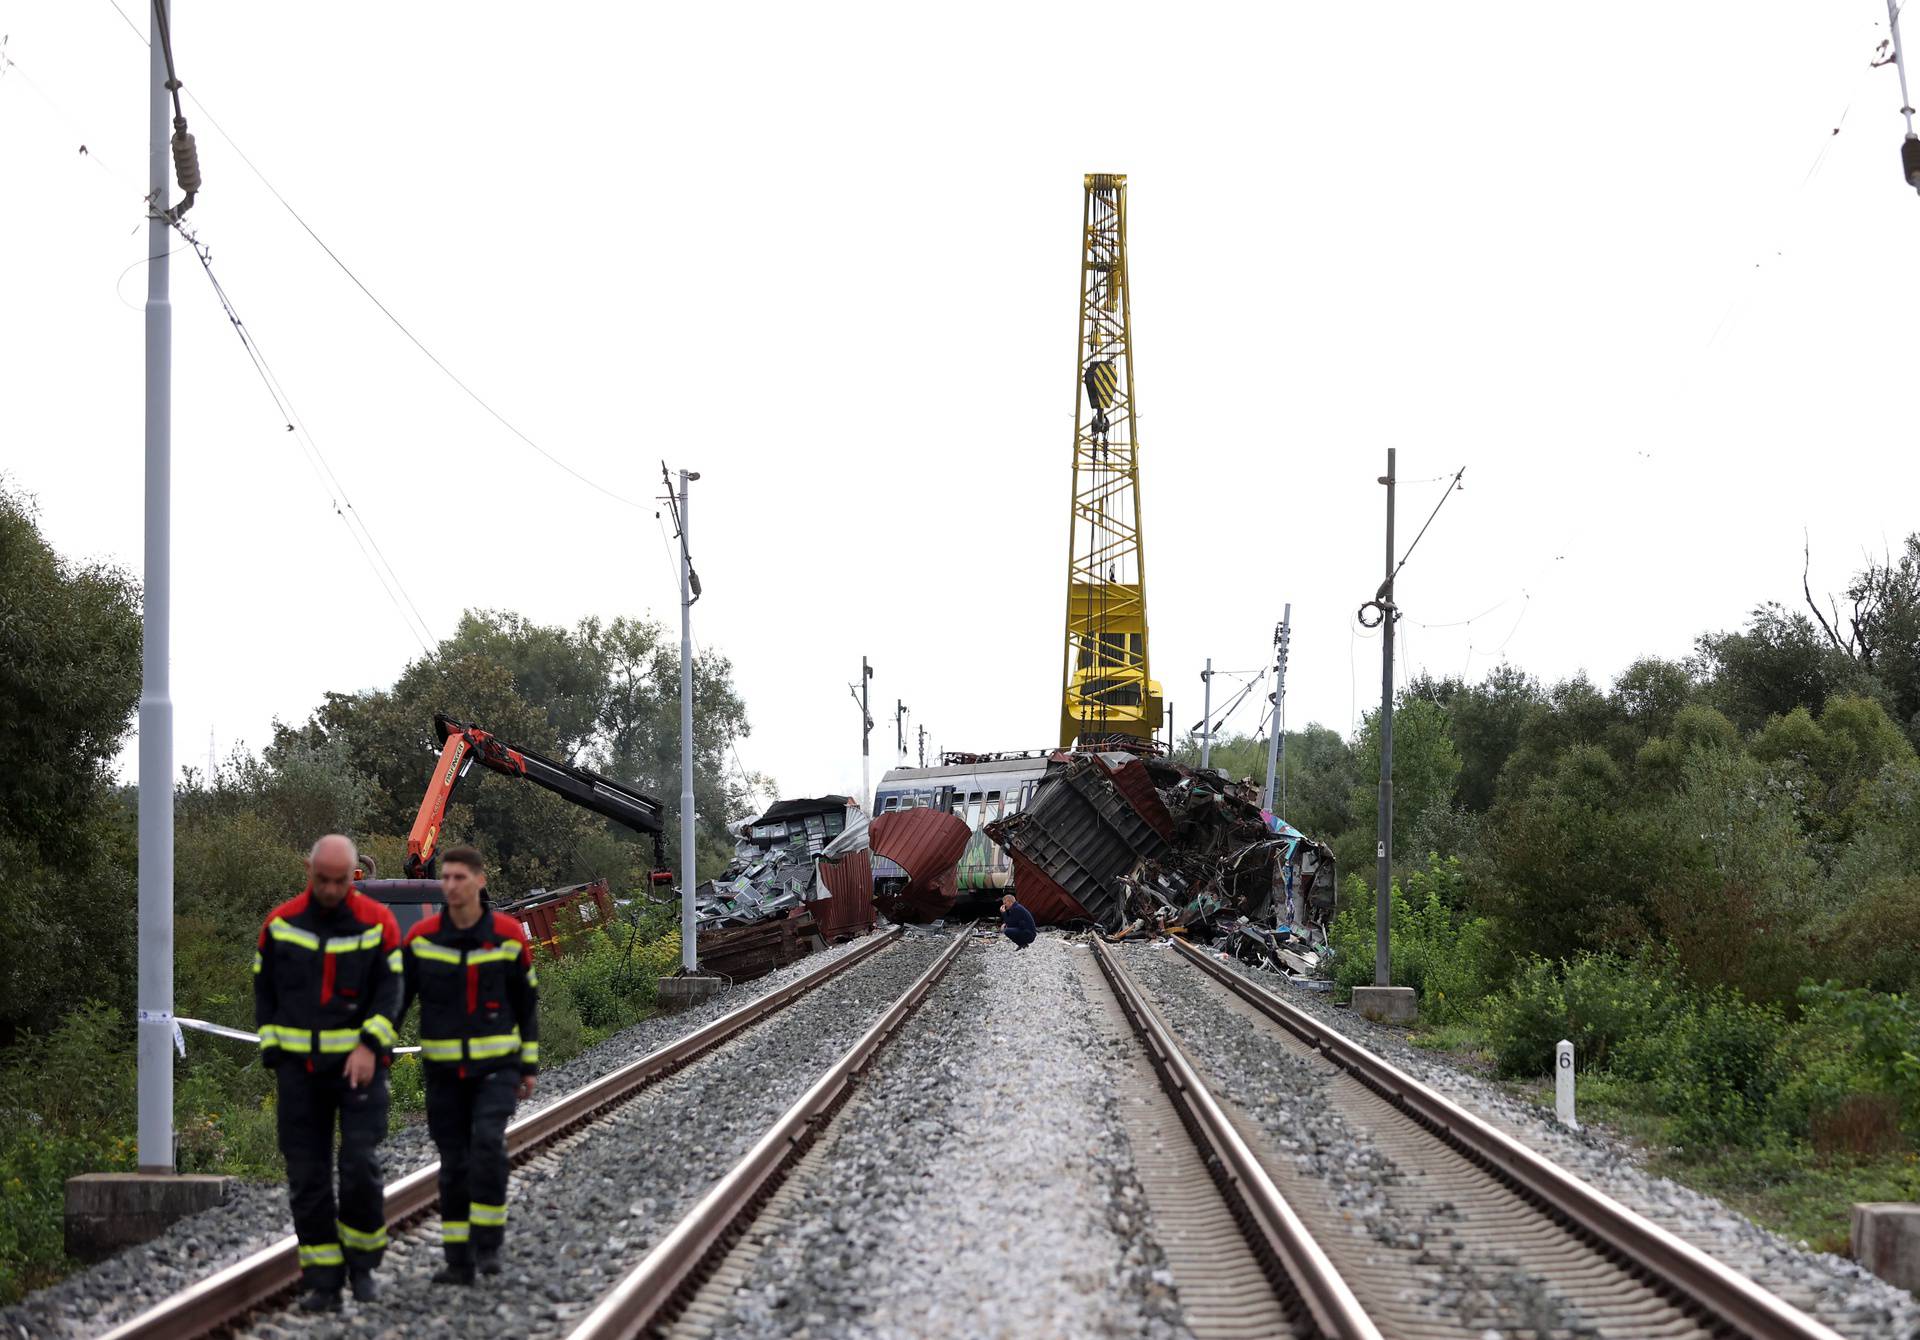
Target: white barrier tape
(239,1034)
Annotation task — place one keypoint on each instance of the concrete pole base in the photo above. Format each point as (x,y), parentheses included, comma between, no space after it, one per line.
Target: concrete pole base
(1886,1240)
(679,993)
(1386,1004)
(108,1211)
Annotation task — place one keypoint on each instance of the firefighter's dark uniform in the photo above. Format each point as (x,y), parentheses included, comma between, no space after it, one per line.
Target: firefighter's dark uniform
(325,983)
(479,1033)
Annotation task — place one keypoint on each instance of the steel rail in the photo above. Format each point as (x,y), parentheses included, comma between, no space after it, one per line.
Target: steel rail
(1294,1261)
(659,1287)
(1725,1296)
(254,1280)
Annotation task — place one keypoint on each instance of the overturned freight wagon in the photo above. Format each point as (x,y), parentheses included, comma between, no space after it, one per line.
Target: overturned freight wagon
(800,878)
(1114,840)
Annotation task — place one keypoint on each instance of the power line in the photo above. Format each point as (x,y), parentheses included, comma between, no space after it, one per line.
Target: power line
(385,311)
(1423,529)
(323,471)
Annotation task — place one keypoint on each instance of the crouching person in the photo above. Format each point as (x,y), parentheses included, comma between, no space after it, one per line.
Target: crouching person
(326,990)
(472,971)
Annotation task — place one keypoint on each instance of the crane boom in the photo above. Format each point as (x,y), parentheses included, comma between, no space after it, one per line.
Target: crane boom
(462,745)
(1109,690)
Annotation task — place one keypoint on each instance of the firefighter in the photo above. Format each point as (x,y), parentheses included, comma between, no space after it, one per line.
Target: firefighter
(472,970)
(326,990)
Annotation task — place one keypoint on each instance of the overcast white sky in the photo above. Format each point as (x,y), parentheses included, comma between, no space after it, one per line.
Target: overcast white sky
(1610,258)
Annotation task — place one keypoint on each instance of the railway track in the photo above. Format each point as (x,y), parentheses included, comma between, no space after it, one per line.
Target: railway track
(267,1278)
(667,1279)
(1608,1271)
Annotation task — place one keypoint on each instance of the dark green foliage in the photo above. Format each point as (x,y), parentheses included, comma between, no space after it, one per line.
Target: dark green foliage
(1425,766)
(1438,948)
(69,682)
(602,695)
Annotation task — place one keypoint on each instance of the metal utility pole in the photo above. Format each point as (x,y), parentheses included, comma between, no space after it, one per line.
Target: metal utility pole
(866,731)
(155,977)
(1384,833)
(1171,726)
(1206,723)
(900,729)
(689,592)
(1277,741)
(923,746)
(1910,146)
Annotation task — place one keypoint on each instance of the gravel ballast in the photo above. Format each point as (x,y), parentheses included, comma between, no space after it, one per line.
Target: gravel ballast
(979,1185)
(583,1211)
(1840,1293)
(255,1215)
(1407,1256)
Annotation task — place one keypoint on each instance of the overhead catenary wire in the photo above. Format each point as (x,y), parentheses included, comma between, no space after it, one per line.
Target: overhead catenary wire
(386,311)
(341,503)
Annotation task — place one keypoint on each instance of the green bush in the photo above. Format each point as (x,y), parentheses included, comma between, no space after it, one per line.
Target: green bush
(1720,1063)
(1601,1003)
(66,1107)
(1439,950)
(1851,1044)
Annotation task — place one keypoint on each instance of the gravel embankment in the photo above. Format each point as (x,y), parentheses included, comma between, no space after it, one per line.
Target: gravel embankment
(1841,1293)
(583,1212)
(255,1215)
(979,1185)
(1413,1252)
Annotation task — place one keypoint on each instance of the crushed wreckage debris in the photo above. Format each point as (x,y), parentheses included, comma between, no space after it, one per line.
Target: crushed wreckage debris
(916,855)
(802,861)
(1139,847)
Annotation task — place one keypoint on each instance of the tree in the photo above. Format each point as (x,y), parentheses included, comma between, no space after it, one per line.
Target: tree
(601,695)
(1425,765)
(69,682)
(1779,662)
(1486,722)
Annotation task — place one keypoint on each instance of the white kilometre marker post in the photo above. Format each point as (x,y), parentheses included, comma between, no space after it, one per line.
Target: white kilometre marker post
(1563,1085)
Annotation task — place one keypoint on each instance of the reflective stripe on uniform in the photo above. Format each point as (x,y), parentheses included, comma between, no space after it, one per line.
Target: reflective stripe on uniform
(393,961)
(283,930)
(322,1254)
(358,1240)
(427,949)
(533,978)
(256,960)
(347,944)
(488,1216)
(503,954)
(487,1048)
(381,1030)
(333,1041)
(455,1230)
(530,1053)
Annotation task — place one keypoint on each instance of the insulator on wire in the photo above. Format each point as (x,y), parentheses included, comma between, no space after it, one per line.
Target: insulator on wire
(186,157)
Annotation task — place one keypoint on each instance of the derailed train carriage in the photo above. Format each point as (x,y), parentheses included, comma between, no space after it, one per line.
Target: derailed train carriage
(1107,839)
(910,882)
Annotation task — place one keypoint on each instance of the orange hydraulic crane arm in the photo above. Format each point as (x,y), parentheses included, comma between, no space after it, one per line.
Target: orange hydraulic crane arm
(462,745)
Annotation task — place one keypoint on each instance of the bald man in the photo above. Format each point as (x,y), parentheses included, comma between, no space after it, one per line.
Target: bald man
(326,990)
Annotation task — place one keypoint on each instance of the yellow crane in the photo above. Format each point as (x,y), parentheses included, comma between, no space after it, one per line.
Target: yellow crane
(1108,689)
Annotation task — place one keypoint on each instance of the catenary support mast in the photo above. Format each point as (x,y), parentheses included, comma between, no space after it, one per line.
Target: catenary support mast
(155,974)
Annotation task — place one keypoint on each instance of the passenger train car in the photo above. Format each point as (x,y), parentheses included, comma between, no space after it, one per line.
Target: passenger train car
(977,793)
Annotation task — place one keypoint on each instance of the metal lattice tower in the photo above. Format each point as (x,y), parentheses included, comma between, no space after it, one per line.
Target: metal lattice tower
(1108,690)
